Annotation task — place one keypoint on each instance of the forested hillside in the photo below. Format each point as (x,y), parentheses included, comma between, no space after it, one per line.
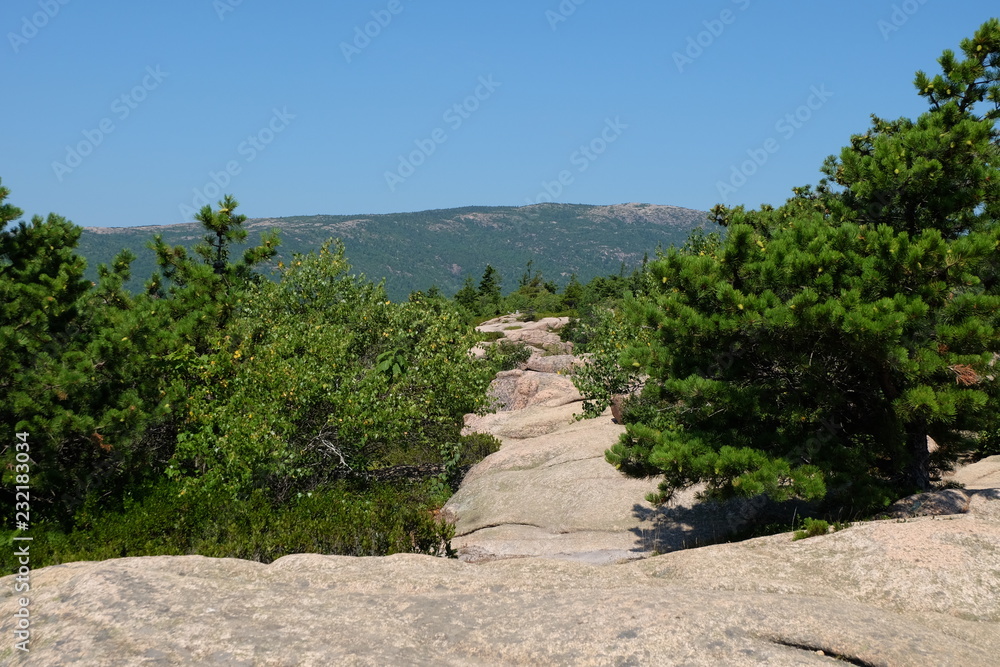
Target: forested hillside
(415,251)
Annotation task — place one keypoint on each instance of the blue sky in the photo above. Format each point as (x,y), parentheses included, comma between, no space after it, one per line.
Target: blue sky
(123,113)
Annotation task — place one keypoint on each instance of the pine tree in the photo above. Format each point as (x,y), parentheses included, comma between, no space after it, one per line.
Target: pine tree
(468,297)
(203,295)
(60,378)
(572,294)
(812,351)
(489,291)
(527,276)
(490,283)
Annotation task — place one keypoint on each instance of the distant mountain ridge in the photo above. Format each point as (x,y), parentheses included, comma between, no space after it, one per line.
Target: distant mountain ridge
(413,251)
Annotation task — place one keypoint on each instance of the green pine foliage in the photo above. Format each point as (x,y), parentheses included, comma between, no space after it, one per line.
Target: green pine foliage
(812,351)
(200,294)
(488,294)
(536,297)
(467,297)
(572,295)
(533,296)
(65,374)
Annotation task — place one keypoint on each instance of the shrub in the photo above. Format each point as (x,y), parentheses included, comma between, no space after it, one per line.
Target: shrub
(812,528)
(604,376)
(345,518)
(320,376)
(507,355)
(477,446)
(816,527)
(989,444)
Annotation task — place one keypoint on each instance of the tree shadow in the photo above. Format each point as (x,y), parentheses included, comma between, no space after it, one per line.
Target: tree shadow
(686,525)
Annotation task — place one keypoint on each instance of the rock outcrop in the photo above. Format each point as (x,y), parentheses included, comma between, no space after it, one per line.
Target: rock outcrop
(983,476)
(540,334)
(919,592)
(549,491)
(980,483)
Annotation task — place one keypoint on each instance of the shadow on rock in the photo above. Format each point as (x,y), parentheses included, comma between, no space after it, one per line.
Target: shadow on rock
(697,524)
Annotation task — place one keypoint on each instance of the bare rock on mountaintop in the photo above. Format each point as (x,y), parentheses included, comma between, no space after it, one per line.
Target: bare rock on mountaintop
(984,474)
(540,339)
(518,389)
(540,334)
(550,354)
(529,422)
(479,351)
(922,592)
(981,482)
(933,503)
(946,565)
(556,363)
(550,492)
(510,323)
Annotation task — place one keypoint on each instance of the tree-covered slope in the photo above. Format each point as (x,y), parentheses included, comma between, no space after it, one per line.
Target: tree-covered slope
(416,250)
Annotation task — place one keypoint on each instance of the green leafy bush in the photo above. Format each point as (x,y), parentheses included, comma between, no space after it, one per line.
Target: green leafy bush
(604,376)
(320,376)
(222,414)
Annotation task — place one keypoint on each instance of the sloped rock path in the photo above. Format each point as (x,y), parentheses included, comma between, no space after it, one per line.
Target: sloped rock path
(549,492)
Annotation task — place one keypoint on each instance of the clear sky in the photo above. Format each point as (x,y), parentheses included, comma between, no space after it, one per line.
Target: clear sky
(125,113)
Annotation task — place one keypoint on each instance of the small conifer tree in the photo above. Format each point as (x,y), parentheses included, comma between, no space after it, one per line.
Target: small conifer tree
(813,351)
